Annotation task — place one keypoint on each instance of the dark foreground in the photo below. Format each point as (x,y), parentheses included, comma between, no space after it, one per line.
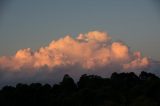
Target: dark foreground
(124,89)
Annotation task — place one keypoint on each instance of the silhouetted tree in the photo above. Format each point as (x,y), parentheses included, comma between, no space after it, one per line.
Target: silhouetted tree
(68,83)
(147,76)
(121,89)
(90,81)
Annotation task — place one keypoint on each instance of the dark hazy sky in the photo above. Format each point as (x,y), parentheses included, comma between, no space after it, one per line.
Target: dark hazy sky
(34,23)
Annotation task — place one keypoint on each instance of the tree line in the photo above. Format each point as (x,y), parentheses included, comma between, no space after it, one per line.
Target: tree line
(121,89)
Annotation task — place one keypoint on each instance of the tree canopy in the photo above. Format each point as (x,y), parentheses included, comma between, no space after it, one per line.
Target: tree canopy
(121,89)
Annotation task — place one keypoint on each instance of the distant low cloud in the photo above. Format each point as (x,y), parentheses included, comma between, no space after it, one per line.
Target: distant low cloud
(93,52)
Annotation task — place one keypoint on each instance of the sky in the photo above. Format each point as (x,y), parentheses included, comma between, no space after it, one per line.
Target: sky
(35,23)
(41,40)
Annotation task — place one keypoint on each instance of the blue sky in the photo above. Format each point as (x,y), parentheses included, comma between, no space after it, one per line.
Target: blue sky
(35,23)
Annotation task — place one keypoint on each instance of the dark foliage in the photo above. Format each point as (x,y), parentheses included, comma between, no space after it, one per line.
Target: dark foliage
(122,89)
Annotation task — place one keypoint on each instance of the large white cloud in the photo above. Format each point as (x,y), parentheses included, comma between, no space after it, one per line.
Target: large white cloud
(92,52)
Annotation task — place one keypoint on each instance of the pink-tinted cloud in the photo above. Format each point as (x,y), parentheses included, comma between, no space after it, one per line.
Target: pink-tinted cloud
(92,53)
(91,50)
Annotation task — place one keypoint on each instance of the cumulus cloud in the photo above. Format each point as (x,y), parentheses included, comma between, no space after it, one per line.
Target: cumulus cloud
(93,52)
